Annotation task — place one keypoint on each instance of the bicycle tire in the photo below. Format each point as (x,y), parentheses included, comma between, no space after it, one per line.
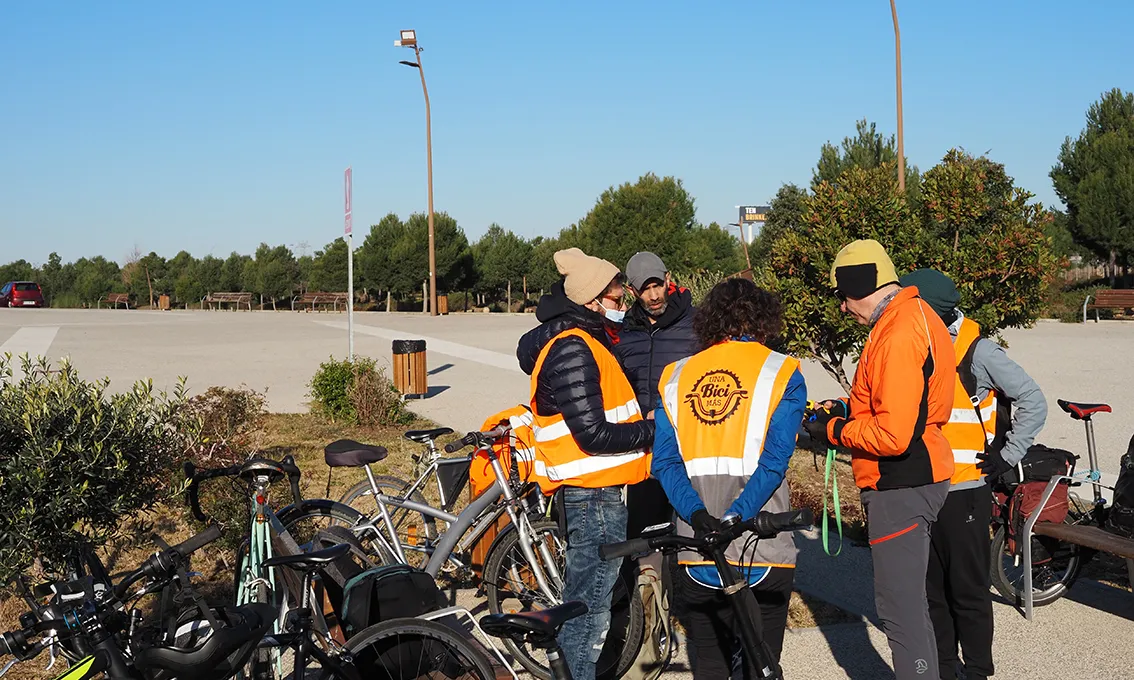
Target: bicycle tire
(292,516)
(372,642)
(418,526)
(627,602)
(1013,592)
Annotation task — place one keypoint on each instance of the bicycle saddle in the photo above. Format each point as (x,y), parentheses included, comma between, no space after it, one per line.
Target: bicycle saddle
(1081,411)
(254,467)
(207,653)
(349,453)
(543,625)
(422,436)
(309,561)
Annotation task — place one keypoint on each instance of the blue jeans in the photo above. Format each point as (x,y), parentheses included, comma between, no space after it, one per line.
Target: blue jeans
(594,517)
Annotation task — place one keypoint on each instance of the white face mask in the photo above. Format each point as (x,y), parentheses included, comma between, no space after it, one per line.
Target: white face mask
(614,315)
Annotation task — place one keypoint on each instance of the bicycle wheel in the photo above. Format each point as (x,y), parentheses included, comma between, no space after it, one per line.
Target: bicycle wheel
(416,531)
(1055,567)
(510,586)
(303,521)
(404,649)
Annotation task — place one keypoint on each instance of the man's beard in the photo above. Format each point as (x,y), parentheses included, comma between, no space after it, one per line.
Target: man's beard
(659,311)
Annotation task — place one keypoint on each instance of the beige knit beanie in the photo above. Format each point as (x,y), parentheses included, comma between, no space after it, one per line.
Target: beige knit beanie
(585,276)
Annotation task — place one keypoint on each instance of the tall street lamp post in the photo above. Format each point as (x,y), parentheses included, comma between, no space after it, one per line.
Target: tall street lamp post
(409,39)
(898,67)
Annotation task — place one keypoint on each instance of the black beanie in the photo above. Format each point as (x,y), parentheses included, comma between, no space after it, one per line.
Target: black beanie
(936,289)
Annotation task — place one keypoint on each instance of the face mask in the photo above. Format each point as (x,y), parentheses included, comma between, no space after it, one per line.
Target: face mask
(614,315)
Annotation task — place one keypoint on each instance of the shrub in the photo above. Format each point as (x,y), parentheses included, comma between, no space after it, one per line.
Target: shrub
(1066,302)
(76,461)
(700,283)
(358,393)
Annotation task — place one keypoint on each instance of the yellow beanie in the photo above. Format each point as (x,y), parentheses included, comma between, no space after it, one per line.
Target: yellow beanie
(861,268)
(585,277)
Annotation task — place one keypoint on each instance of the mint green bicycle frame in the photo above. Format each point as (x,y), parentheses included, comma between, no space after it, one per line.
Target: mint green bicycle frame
(263,523)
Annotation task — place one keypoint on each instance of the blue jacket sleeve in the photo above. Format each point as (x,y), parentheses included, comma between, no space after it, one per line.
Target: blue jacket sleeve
(779,445)
(669,468)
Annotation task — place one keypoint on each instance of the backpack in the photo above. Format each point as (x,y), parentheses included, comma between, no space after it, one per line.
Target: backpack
(657,635)
(1120,518)
(334,577)
(388,592)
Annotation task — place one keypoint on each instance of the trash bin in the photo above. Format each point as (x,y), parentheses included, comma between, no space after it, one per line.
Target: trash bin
(409,366)
(442,304)
(163,303)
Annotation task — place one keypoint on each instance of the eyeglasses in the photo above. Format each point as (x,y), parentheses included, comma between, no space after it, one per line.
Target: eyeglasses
(840,295)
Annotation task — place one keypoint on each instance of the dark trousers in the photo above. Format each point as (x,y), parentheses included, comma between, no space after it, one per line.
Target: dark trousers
(958,582)
(707,616)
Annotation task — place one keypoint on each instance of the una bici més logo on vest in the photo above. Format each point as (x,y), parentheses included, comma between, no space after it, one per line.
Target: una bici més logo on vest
(716,396)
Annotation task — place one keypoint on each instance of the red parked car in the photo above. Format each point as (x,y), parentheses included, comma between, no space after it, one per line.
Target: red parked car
(21,294)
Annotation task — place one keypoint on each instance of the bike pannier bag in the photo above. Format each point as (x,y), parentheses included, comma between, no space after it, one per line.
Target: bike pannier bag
(388,592)
(1120,519)
(1040,464)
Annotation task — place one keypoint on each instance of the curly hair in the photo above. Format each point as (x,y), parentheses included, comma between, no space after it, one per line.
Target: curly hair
(736,307)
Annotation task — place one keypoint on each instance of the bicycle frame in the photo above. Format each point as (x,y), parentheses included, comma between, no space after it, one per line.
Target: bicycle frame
(466,528)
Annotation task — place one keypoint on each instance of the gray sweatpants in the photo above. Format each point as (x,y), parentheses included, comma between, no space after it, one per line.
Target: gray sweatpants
(900,521)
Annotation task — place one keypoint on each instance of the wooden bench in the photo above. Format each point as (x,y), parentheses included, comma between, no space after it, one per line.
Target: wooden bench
(237,300)
(1089,537)
(308,301)
(115,299)
(1109,299)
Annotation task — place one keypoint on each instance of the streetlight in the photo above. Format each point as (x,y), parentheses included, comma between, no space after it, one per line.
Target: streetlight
(898,66)
(743,241)
(409,39)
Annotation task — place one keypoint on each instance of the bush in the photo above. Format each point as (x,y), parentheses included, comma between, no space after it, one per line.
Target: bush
(358,393)
(76,461)
(1066,302)
(700,283)
(66,301)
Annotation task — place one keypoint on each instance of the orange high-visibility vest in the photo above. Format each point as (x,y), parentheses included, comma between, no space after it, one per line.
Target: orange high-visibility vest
(720,402)
(520,444)
(967,431)
(559,460)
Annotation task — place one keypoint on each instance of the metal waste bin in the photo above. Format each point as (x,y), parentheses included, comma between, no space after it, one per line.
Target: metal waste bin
(409,367)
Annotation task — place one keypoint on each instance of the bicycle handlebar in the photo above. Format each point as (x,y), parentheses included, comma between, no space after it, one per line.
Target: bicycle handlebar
(764,525)
(477,439)
(286,466)
(163,564)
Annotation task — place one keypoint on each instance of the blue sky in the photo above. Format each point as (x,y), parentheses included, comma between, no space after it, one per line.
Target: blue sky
(213,126)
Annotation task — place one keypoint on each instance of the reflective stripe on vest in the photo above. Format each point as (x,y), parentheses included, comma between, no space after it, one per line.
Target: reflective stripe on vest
(967,433)
(558,460)
(720,402)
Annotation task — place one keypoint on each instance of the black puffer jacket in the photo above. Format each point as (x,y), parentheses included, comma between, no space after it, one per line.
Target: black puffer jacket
(645,349)
(569,380)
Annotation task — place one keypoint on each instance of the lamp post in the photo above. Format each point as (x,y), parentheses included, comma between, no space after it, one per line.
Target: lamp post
(409,39)
(898,68)
(743,241)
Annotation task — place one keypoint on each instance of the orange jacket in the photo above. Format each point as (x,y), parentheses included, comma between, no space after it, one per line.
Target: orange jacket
(901,398)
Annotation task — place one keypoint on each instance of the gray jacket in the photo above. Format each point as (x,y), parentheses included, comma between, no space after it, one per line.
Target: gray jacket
(993,370)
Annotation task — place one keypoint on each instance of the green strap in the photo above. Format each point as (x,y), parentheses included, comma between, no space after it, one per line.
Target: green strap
(832,481)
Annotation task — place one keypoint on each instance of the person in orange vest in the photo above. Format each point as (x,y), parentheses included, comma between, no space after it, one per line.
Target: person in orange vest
(901,399)
(998,410)
(591,440)
(726,430)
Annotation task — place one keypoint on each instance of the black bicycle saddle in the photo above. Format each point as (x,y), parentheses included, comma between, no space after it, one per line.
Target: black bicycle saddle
(309,561)
(422,436)
(349,453)
(542,624)
(217,653)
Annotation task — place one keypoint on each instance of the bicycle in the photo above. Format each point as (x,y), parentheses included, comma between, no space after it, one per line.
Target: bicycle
(286,532)
(744,605)
(524,563)
(396,648)
(1061,562)
(100,631)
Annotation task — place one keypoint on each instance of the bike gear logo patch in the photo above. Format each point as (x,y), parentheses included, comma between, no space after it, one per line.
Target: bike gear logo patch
(716,396)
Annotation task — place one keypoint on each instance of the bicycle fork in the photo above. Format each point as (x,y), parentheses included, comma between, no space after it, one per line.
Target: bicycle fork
(526,538)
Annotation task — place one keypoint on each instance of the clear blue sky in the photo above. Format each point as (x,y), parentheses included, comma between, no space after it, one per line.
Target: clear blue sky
(212,126)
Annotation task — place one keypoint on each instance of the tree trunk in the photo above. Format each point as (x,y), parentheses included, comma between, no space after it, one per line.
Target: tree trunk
(509,296)
(834,367)
(150,284)
(389,300)
(1112,268)
(525,289)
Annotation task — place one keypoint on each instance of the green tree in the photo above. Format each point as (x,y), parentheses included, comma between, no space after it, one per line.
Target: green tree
(655,214)
(273,273)
(501,257)
(785,214)
(711,248)
(56,278)
(542,272)
(1095,179)
(409,257)
(232,274)
(374,262)
(210,272)
(20,270)
(329,268)
(868,149)
(95,277)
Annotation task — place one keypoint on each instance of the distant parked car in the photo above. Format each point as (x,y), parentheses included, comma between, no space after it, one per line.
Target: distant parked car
(21,294)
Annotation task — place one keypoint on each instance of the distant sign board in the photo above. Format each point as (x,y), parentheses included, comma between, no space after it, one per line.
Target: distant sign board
(753,213)
(346,200)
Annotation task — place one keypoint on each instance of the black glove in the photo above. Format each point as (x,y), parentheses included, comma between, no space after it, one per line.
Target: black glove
(703,523)
(992,464)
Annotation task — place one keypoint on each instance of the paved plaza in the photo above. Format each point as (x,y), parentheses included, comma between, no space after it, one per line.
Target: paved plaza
(473,372)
